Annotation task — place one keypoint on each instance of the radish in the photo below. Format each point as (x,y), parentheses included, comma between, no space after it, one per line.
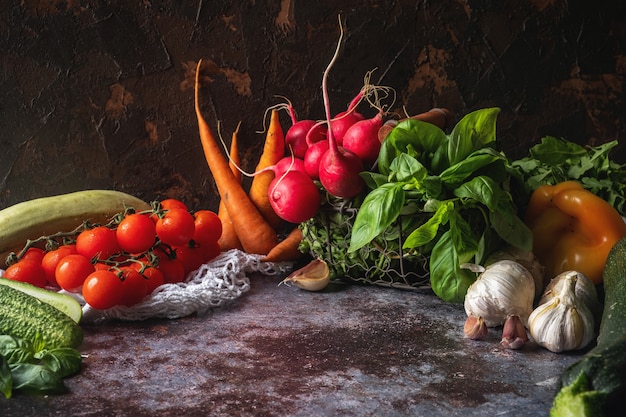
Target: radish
(295,138)
(312,158)
(362,139)
(343,120)
(302,133)
(294,197)
(339,168)
(289,163)
(317,133)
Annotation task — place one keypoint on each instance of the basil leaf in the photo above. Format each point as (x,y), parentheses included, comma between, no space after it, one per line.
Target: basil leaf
(6,380)
(481,189)
(463,239)
(373,179)
(33,378)
(63,361)
(426,232)
(15,350)
(459,172)
(511,228)
(405,167)
(447,279)
(411,137)
(474,131)
(380,208)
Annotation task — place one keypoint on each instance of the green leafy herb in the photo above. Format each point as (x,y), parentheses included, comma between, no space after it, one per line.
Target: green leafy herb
(463,177)
(30,367)
(555,160)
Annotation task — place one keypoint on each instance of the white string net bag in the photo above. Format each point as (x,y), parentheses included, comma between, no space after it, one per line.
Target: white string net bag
(213,285)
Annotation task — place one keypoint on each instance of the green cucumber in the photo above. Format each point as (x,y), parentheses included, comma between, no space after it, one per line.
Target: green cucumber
(25,316)
(65,303)
(596,384)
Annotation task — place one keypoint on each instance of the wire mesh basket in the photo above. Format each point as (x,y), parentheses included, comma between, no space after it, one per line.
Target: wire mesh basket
(382,262)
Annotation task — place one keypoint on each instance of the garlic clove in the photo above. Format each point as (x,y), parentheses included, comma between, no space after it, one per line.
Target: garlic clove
(475,328)
(514,334)
(563,322)
(314,276)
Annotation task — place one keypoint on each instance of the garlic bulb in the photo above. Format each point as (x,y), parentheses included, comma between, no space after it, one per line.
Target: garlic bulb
(528,261)
(503,288)
(564,322)
(585,291)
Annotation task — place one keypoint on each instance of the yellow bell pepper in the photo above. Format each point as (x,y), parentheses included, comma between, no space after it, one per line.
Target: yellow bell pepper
(573,229)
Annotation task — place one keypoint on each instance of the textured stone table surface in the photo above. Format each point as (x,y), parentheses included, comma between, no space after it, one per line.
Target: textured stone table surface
(281,351)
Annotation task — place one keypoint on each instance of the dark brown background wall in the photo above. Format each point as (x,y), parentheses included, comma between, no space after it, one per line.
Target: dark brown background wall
(98,94)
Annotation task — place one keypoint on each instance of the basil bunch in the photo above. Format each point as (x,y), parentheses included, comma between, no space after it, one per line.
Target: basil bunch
(31,368)
(456,186)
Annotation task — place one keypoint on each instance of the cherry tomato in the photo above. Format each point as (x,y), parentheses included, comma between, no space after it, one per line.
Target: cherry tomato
(210,250)
(173,203)
(134,286)
(71,272)
(99,241)
(208,227)
(102,289)
(191,256)
(35,254)
(154,277)
(136,233)
(176,228)
(52,258)
(172,269)
(27,270)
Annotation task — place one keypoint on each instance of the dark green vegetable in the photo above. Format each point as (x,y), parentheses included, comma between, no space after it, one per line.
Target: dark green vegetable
(596,384)
(29,367)
(458,187)
(25,316)
(555,160)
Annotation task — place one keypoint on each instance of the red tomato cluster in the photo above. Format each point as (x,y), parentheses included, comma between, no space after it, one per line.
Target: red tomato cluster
(122,263)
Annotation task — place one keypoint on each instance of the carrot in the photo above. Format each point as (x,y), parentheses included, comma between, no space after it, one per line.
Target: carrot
(255,234)
(273,151)
(229,238)
(286,249)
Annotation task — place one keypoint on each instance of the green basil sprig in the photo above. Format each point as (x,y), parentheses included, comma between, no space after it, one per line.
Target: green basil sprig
(460,185)
(31,368)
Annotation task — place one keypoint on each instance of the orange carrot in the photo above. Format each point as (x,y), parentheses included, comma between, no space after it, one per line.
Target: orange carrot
(273,151)
(286,249)
(229,238)
(255,234)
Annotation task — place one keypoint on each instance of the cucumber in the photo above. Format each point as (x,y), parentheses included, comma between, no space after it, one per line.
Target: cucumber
(61,213)
(596,384)
(25,316)
(62,302)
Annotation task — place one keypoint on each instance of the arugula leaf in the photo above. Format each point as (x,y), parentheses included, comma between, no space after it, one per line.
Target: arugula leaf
(555,160)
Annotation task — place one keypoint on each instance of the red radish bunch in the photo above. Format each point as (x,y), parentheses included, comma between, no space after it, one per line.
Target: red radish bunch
(334,151)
